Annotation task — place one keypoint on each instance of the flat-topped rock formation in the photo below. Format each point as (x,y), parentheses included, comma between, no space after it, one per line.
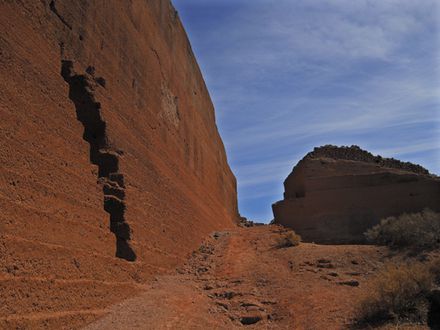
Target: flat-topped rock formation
(111,166)
(335,193)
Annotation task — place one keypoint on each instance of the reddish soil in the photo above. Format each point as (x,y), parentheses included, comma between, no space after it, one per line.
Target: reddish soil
(241,276)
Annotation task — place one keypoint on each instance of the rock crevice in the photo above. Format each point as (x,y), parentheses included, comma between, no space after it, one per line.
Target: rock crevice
(54,9)
(102,154)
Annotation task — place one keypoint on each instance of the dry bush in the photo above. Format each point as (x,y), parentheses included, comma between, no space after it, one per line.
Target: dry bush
(420,231)
(399,293)
(288,239)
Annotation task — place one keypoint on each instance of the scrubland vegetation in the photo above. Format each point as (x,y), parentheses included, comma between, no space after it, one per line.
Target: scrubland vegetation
(289,239)
(419,231)
(401,292)
(404,292)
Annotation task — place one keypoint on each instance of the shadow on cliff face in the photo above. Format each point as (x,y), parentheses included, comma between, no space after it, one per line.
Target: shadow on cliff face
(88,112)
(434,310)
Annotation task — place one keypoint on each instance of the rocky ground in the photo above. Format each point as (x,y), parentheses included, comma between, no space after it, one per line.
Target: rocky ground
(241,278)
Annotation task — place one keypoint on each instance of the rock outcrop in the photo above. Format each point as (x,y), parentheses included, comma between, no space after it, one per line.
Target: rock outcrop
(335,193)
(111,165)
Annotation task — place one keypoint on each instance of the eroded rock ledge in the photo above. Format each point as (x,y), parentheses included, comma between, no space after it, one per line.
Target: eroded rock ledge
(355,153)
(335,193)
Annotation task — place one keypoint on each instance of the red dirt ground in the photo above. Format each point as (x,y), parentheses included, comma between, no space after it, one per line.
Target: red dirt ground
(242,276)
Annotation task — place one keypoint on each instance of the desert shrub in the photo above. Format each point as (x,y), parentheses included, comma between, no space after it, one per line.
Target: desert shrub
(288,239)
(415,230)
(399,293)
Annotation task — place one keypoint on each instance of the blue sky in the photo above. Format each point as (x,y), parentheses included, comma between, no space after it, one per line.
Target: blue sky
(288,75)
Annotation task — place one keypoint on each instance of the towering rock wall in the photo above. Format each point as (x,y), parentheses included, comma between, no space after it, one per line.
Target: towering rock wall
(111,165)
(334,194)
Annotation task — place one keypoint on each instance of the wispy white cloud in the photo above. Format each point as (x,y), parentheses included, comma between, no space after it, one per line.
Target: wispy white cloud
(383,103)
(419,147)
(289,75)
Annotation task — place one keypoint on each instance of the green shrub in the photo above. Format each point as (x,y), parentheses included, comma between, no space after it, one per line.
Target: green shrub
(415,230)
(399,293)
(288,239)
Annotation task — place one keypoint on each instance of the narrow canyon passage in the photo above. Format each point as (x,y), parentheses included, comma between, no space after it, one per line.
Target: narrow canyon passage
(241,279)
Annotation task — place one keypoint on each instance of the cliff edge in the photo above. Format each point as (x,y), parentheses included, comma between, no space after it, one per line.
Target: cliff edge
(112,168)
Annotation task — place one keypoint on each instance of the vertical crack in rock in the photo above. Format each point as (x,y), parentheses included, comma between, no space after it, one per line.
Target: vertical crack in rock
(60,17)
(88,112)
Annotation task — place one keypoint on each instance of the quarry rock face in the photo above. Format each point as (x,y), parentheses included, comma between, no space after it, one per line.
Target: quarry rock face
(334,194)
(111,165)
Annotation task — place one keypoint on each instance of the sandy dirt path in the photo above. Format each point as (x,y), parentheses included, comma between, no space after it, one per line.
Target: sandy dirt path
(242,279)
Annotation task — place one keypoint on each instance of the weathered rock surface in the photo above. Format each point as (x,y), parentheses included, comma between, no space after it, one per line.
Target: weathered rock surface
(111,165)
(335,193)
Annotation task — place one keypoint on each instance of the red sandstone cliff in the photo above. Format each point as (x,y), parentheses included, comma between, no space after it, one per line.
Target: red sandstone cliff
(108,148)
(334,194)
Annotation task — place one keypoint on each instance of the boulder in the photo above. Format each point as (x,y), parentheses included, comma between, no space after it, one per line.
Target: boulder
(334,194)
